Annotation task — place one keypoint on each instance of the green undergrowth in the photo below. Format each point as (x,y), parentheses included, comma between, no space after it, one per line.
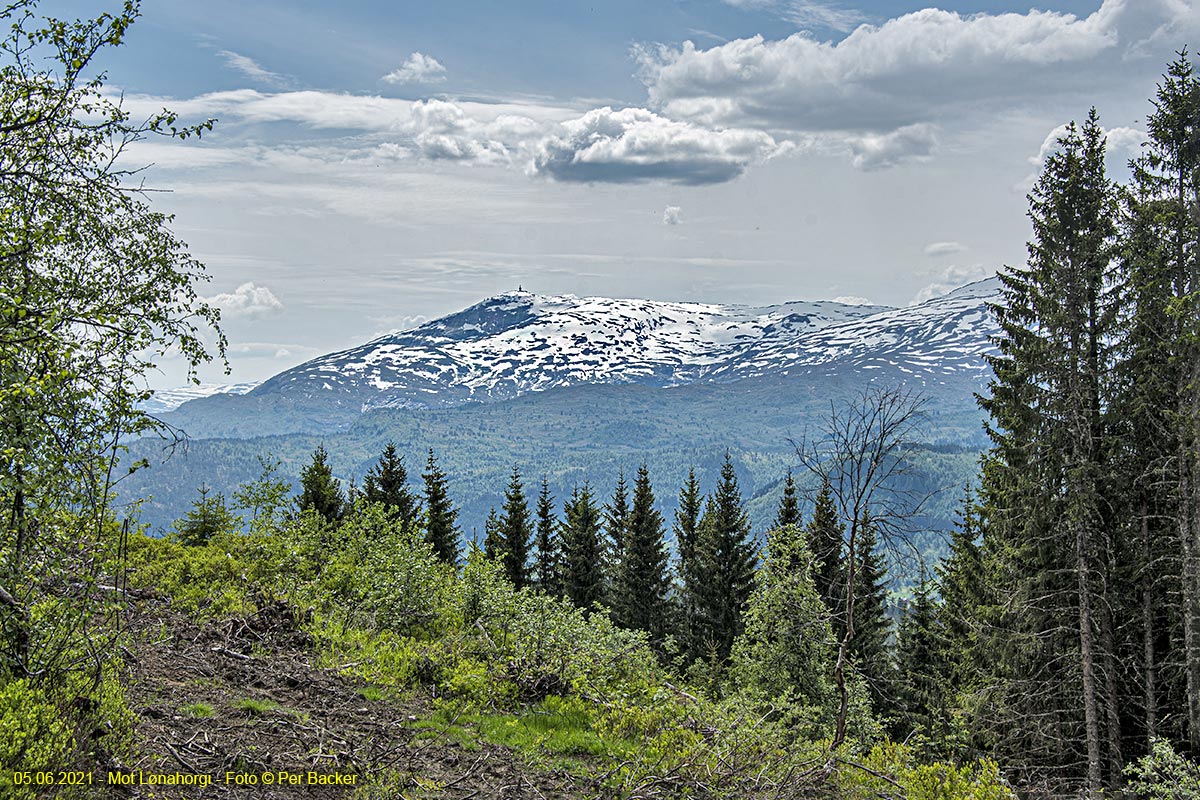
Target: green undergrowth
(563,688)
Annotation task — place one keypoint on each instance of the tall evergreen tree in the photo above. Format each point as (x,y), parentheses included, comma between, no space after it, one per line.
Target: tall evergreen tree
(1161,401)
(515,531)
(493,540)
(789,505)
(641,584)
(824,537)
(583,549)
(921,688)
(441,517)
(387,483)
(616,523)
(685,527)
(547,570)
(726,560)
(965,600)
(873,628)
(319,491)
(1043,480)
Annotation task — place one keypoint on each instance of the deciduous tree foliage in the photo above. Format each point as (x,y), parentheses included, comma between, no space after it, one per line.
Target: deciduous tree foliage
(93,287)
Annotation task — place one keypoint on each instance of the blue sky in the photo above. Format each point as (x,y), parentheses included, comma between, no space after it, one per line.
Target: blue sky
(378,164)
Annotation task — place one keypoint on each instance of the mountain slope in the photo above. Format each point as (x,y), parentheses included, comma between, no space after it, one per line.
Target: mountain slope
(519,343)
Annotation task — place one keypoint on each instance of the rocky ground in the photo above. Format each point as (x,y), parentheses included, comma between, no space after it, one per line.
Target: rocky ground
(243,698)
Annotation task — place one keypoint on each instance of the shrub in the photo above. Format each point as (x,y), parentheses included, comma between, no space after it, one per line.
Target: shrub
(1164,775)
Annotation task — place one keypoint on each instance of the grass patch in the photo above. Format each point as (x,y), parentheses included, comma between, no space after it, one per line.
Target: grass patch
(557,732)
(253,708)
(199,710)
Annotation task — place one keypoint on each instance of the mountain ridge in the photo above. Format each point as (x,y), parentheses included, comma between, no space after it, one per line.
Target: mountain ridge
(516,343)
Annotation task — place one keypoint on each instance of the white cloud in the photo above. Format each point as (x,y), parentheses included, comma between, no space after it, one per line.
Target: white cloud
(634,144)
(950,278)
(419,68)
(247,300)
(880,151)
(671,215)
(1122,141)
(928,66)
(852,300)
(806,13)
(937,249)
(272,350)
(1121,144)
(251,68)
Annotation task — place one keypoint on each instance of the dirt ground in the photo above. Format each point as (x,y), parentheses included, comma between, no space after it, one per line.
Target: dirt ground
(276,718)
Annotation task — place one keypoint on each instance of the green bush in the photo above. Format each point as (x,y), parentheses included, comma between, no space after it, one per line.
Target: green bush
(33,737)
(1164,775)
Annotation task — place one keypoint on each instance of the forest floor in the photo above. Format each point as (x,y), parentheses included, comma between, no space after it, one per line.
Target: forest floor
(242,699)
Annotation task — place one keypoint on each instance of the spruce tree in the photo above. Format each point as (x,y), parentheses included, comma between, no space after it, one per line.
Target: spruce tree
(583,549)
(640,591)
(872,627)
(687,522)
(547,570)
(386,484)
(493,540)
(1044,477)
(441,517)
(962,583)
(616,523)
(789,505)
(515,529)
(1161,399)
(207,517)
(319,491)
(920,697)
(824,535)
(726,560)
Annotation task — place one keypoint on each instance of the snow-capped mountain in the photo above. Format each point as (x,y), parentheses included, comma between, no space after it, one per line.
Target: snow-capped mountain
(517,343)
(170,399)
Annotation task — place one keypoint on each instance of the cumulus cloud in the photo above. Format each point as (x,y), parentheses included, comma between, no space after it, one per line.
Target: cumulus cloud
(950,278)
(938,249)
(419,68)
(671,215)
(852,300)
(634,144)
(247,300)
(251,68)
(917,68)
(880,151)
(1121,144)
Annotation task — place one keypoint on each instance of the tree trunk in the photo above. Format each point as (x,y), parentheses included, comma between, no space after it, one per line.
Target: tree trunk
(1091,713)
(839,669)
(1191,600)
(1150,678)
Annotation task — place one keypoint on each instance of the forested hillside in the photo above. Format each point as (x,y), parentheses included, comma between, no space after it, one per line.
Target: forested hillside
(328,640)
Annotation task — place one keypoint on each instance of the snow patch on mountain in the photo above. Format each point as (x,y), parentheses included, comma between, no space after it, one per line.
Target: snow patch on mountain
(518,342)
(170,399)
